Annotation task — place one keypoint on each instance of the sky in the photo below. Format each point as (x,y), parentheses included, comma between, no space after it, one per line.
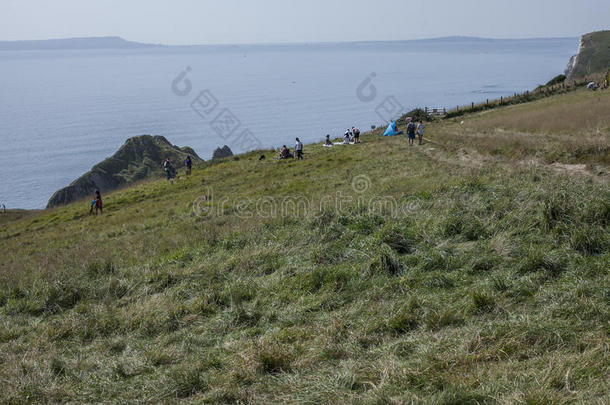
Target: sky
(276,21)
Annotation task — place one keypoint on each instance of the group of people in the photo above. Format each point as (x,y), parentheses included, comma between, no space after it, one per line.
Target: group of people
(605,84)
(412,128)
(298,151)
(96,203)
(350,136)
(170,171)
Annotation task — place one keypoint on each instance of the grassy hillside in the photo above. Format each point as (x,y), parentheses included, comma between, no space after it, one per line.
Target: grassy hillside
(472,269)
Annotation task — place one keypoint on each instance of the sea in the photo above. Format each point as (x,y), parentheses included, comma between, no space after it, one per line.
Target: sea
(63,111)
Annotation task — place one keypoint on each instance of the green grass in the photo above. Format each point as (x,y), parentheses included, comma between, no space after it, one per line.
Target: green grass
(489,285)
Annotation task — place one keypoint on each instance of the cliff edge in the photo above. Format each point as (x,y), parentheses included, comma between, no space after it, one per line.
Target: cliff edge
(593,56)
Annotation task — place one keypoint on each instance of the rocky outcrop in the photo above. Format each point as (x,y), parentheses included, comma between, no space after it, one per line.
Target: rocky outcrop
(139,158)
(593,56)
(223,152)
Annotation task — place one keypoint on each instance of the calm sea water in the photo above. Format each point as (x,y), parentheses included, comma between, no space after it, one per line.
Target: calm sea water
(63,111)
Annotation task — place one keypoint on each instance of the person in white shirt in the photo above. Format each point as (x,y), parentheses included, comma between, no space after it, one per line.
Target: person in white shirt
(349,136)
(420,131)
(298,148)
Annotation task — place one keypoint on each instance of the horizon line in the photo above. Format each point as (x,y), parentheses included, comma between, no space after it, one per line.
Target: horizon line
(364,41)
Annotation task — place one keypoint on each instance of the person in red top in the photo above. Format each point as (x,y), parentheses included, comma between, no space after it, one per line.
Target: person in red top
(98,202)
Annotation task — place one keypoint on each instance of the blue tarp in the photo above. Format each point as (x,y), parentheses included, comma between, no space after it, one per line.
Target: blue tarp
(391,130)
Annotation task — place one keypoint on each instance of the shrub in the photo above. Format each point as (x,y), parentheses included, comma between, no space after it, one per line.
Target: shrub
(418,114)
(556,80)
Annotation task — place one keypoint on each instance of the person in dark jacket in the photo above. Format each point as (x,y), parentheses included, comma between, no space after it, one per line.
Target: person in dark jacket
(189,165)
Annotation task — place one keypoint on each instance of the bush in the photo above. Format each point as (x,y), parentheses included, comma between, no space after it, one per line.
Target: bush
(417,114)
(556,80)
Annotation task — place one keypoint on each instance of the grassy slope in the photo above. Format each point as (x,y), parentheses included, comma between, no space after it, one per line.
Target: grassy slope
(491,285)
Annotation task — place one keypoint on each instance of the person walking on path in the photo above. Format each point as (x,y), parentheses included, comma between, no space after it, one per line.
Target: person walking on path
(298,149)
(189,165)
(420,131)
(411,132)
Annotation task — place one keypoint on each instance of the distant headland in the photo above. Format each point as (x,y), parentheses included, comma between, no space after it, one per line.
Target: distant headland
(74,43)
(115,42)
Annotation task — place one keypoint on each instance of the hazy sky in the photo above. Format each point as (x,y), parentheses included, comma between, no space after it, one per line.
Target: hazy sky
(249,21)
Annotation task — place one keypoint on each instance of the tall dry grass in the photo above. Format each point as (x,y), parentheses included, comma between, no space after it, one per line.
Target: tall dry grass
(571,128)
